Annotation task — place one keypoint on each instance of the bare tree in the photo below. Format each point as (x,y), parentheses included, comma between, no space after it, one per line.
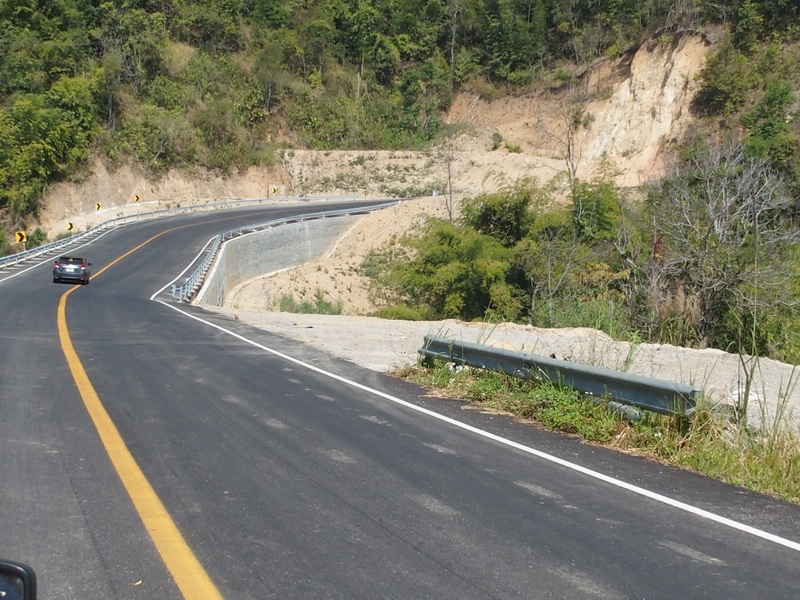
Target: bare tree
(454,8)
(447,156)
(724,220)
(572,120)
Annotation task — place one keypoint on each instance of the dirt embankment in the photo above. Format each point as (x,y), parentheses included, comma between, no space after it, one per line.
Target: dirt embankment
(637,103)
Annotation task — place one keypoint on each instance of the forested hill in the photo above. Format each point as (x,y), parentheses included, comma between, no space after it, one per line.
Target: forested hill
(222,83)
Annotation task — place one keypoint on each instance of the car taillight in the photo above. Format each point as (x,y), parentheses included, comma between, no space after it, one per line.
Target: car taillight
(58,264)
(83,267)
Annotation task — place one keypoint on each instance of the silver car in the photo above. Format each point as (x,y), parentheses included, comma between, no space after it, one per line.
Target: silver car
(71,268)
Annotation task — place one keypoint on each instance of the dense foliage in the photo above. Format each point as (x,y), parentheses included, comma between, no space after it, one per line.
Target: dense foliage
(708,259)
(170,83)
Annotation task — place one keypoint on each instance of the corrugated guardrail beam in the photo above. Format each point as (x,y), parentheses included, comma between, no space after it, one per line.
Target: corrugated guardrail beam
(657,395)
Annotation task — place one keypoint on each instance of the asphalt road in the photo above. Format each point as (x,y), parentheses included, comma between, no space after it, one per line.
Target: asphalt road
(260,468)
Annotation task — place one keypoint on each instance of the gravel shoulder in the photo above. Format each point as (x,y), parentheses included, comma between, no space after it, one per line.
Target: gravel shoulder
(383,345)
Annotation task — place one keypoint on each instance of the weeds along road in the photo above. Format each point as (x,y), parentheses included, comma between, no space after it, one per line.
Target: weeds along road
(158,450)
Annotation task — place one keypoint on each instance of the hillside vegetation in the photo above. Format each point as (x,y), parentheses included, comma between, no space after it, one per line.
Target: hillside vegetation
(705,256)
(223,83)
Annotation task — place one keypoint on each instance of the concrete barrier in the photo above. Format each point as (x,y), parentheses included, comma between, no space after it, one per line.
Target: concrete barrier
(246,257)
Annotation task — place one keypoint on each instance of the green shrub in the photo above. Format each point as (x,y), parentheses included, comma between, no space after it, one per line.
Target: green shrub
(455,272)
(36,238)
(497,140)
(401,312)
(320,306)
(726,81)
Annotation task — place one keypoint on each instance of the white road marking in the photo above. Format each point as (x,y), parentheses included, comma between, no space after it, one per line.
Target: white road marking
(510,443)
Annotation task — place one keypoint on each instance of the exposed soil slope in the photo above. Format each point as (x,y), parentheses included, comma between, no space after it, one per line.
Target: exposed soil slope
(638,103)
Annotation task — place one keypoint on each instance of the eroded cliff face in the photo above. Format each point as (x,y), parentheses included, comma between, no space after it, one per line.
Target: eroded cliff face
(647,108)
(636,103)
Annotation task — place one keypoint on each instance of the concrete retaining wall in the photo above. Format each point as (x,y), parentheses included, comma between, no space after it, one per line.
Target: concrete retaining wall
(249,256)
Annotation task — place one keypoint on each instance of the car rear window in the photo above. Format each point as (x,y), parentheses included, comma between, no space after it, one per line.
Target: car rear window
(71,260)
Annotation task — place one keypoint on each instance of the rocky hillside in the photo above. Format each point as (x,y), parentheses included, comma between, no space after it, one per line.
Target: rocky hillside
(637,103)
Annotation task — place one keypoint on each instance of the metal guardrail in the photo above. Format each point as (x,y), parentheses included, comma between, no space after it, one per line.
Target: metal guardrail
(20,257)
(15,259)
(185,292)
(187,289)
(657,395)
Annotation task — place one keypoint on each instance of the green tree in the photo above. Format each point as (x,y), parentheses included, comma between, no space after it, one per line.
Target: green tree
(137,39)
(41,42)
(596,209)
(213,26)
(549,257)
(770,132)
(456,272)
(726,79)
(44,135)
(749,27)
(503,215)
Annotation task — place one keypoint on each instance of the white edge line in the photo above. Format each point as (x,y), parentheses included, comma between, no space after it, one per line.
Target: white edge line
(181,274)
(510,443)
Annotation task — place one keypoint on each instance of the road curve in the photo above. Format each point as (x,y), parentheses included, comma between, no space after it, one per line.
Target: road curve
(291,474)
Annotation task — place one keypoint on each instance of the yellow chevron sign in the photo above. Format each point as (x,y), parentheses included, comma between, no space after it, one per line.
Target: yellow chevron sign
(20,236)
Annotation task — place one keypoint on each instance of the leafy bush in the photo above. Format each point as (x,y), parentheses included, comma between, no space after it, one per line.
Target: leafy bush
(596,209)
(770,117)
(320,306)
(497,140)
(503,215)
(457,272)
(727,80)
(401,312)
(36,238)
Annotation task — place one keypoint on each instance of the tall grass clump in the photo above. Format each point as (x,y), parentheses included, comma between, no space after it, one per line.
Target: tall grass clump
(555,407)
(764,459)
(319,305)
(710,441)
